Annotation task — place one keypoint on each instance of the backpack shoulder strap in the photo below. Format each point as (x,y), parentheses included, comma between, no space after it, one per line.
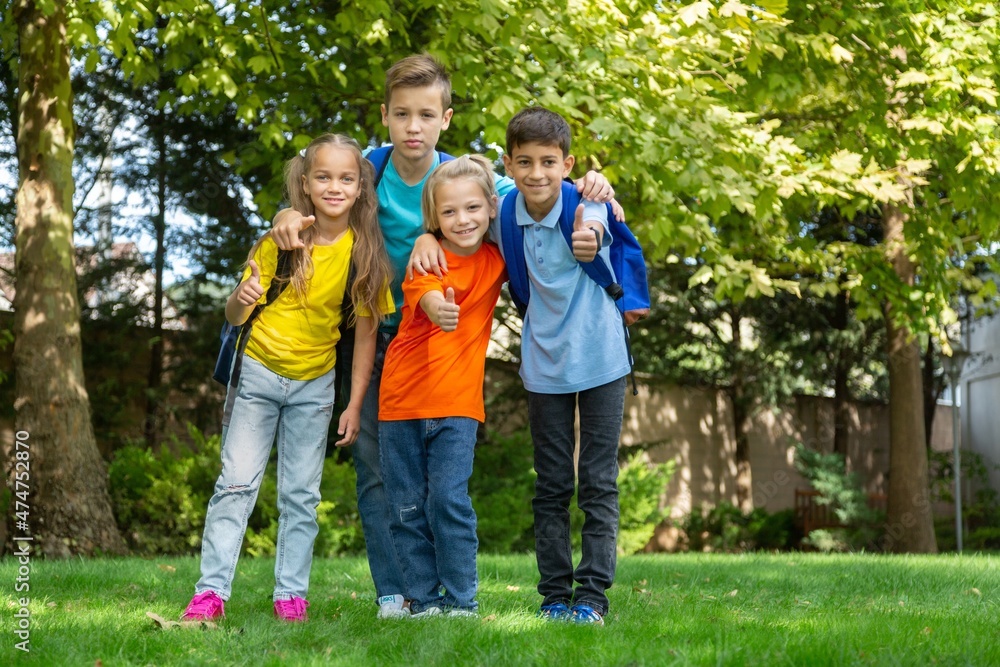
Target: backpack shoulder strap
(379,157)
(512,239)
(598,270)
(347,305)
(444,157)
(278,284)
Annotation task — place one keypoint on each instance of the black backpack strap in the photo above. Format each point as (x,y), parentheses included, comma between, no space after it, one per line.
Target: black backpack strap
(278,284)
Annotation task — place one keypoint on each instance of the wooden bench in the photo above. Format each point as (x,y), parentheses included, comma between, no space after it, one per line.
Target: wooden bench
(810,515)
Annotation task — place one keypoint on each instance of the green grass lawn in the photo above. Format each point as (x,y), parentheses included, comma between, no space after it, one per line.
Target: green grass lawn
(699,609)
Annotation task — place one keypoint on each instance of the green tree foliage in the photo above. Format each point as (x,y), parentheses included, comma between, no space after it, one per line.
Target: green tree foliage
(745,140)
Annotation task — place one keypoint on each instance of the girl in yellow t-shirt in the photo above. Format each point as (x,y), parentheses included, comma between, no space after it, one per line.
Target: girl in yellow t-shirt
(431,399)
(286,384)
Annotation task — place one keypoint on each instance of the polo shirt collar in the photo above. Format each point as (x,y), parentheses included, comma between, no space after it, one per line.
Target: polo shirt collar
(549,221)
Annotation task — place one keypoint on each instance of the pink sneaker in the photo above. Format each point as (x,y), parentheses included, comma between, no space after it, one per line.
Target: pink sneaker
(206,606)
(293,610)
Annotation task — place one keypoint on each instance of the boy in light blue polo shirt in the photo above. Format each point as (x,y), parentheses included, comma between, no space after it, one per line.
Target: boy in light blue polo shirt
(573,353)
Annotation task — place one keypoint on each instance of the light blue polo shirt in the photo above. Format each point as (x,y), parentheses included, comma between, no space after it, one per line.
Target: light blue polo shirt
(401,220)
(572,338)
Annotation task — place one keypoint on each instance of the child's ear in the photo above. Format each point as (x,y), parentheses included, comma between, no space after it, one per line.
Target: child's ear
(493,206)
(568,163)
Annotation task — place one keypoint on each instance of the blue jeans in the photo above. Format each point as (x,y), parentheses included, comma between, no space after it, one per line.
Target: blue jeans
(264,404)
(372,504)
(551,419)
(427,464)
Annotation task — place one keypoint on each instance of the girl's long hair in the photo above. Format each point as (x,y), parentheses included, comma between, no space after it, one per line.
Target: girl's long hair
(372,269)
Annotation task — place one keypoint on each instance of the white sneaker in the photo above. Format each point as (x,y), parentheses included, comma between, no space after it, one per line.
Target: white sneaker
(427,613)
(391,606)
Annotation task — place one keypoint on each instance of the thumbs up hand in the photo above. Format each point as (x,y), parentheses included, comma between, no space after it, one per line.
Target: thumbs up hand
(441,309)
(586,239)
(448,311)
(250,291)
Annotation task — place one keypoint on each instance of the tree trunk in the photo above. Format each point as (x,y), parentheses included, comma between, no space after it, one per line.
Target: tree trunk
(70,511)
(741,421)
(155,378)
(841,372)
(932,392)
(909,524)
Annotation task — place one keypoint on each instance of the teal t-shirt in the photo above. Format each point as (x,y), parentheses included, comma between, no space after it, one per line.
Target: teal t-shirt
(399,216)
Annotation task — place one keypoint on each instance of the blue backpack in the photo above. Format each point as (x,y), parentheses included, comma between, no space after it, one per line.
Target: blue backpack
(624,281)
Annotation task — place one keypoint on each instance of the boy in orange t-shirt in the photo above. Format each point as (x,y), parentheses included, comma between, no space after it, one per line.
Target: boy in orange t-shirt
(431,397)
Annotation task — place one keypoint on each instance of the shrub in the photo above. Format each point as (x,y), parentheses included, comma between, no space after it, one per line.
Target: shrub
(502,485)
(160,500)
(641,487)
(725,528)
(841,490)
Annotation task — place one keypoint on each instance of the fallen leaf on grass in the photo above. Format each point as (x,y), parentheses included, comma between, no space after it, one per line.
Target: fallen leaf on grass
(513,589)
(926,631)
(164,624)
(974,591)
(168,568)
(491,617)
(733,592)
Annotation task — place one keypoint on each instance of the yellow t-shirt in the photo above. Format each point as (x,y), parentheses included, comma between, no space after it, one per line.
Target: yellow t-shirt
(298,340)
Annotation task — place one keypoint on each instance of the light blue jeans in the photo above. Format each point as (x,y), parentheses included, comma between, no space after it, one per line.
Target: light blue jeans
(299,413)
(426,464)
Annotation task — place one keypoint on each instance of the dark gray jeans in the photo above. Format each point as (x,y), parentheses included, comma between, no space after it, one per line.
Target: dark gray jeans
(551,418)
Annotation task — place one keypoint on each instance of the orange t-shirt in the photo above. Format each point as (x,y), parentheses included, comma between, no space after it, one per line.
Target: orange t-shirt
(430,373)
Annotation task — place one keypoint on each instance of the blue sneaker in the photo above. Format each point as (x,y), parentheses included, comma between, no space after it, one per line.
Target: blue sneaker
(557,611)
(584,613)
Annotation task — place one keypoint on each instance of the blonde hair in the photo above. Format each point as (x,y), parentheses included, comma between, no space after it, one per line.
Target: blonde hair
(473,167)
(372,269)
(416,72)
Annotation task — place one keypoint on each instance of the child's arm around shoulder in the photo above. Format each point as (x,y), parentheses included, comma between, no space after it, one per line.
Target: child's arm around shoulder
(427,257)
(362,365)
(287,224)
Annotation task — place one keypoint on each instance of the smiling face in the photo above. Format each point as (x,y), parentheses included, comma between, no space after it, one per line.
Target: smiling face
(416,117)
(538,170)
(333,184)
(463,213)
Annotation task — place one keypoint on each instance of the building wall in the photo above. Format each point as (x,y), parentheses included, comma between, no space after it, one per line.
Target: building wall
(980,395)
(695,427)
